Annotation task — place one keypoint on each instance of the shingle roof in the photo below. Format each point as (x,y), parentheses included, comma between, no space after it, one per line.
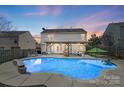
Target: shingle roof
(11,33)
(63,30)
(119,23)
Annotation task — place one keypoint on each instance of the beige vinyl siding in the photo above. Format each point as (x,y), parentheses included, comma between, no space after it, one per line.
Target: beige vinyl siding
(7,43)
(26,41)
(63,37)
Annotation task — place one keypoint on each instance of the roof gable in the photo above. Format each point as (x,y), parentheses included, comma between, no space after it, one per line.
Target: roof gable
(11,33)
(119,23)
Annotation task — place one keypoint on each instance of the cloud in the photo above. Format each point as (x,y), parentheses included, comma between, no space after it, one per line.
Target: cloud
(43,13)
(97,19)
(45,10)
(96,22)
(98,33)
(93,23)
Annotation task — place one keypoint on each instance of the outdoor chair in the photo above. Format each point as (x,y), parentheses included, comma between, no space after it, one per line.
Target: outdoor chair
(32,55)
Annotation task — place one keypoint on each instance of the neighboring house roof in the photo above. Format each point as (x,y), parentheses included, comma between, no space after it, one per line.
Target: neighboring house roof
(64,30)
(4,34)
(119,23)
(112,25)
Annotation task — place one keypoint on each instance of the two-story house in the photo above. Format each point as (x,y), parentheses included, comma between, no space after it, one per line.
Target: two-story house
(59,40)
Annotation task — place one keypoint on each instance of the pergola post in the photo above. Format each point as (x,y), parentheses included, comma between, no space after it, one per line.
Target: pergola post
(68,48)
(46,47)
(68,52)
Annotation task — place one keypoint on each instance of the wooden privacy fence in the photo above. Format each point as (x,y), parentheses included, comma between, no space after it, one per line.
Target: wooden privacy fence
(117,51)
(7,55)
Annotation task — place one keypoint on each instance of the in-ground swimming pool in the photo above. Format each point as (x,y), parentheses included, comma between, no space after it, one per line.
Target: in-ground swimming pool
(73,67)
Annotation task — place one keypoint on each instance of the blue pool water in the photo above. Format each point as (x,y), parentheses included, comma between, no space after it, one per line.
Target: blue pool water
(73,67)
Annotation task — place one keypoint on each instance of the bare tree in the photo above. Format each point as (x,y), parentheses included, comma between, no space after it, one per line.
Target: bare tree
(5,25)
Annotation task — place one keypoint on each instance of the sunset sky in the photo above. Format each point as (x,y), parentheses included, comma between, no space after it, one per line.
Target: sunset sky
(93,19)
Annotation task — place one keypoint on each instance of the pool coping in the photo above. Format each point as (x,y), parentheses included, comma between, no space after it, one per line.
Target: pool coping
(93,82)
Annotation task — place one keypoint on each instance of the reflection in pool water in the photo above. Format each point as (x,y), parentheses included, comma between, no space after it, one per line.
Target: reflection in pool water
(37,61)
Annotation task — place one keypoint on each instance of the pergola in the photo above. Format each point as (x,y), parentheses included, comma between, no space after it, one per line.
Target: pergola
(68,43)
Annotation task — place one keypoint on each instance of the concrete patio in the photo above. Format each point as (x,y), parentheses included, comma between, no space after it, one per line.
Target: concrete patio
(109,78)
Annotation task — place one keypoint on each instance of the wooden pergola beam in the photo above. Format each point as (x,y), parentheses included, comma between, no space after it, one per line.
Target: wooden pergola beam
(67,42)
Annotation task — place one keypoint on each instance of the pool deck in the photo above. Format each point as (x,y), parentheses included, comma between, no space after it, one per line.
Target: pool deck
(10,77)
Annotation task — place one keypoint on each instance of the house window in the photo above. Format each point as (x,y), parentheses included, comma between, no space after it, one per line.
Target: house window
(50,37)
(83,36)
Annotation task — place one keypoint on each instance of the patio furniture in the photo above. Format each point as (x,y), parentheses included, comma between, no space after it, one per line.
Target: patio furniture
(66,53)
(108,62)
(17,62)
(32,55)
(21,67)
(43,53)
(82,54)
(74,52)
(79,53)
